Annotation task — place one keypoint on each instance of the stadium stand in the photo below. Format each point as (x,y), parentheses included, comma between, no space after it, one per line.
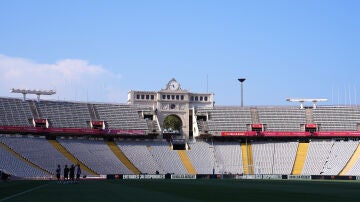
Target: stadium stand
(14,112)
(64,114)
(331,149)
(339,155)
(282,118)
(228,157)
(201,156)
(274,157)
(354,165)
(96,155)
(122,157)
(15,166)
(166,158)
(316,157)
(328,157)
(226,118)
(121,116)
(36,150)
(139,154)
(337,118)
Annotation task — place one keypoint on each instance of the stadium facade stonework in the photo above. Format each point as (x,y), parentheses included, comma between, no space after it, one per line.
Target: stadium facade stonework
(173,100)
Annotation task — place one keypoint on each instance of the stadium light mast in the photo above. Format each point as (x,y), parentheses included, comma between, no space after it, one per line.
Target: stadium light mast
(302,100)
(242,90)
(35,92)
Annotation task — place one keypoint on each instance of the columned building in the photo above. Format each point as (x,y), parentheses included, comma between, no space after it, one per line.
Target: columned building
(173,101)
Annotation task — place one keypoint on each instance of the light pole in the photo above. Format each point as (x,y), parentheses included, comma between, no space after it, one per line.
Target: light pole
(242,90)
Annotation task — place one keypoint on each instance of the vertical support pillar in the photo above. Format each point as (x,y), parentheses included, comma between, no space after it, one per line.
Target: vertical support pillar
(242,90)
(314,105)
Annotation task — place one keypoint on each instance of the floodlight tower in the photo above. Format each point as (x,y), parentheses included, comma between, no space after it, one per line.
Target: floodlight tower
(242,90)
(35,92)
(302,100)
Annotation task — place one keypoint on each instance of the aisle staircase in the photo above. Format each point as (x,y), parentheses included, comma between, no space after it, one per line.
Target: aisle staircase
(309,115)
(300,158)
(93,113)
(71,157)
(351,161)
(186,162)
(254,115)
(122,157)
(247,158)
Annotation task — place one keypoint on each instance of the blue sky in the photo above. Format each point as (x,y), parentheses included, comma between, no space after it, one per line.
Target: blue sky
(99,50)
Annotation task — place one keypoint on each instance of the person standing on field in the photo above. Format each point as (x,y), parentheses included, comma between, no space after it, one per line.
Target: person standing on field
(72,172)
(78,172)
(58,171)
(66,173)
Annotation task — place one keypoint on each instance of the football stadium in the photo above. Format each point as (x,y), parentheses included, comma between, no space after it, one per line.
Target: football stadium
(177,145)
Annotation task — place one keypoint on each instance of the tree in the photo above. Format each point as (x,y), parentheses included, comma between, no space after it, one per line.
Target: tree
(172,122)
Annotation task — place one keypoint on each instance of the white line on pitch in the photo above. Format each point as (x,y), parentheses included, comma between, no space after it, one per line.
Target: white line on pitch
(21,193)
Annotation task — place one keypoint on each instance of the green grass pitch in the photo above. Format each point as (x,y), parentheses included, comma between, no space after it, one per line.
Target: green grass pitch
(181,190)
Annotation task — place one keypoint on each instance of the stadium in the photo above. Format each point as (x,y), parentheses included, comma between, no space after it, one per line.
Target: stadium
(177,134)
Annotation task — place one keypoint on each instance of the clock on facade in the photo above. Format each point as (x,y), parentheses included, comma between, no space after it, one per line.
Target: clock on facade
(174,85)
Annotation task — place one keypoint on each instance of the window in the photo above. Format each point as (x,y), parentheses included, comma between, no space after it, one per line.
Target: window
(173,97)
(168,97)
(142,97)
(196,98)
(206,98)
(152,97)
(201,98)
(192,98)
(147,97)
(182,97)
(177,97)
(137,96)
(164,97)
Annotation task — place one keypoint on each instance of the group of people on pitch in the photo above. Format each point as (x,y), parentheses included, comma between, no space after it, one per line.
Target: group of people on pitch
(69,173)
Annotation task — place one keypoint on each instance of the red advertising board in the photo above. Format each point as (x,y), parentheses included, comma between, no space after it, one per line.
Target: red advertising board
(256,125)
(338,134)
(311,125)
(68,131)
(237,133)
(285,134)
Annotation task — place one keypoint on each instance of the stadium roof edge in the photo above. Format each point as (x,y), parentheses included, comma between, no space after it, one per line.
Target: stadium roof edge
(216,106)
(69,101)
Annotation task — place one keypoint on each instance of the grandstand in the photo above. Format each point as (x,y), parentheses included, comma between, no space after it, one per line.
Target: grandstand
(226,118)
(63,114)
(14,112)
(107,138)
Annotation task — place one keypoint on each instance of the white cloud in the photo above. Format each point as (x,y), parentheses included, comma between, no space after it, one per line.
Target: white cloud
(73,79)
